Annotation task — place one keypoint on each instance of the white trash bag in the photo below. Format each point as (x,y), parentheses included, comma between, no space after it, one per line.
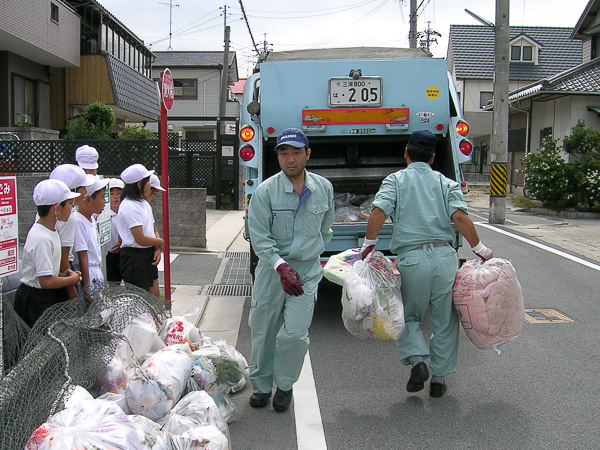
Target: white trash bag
(159,383)
(88,424)
(371,299)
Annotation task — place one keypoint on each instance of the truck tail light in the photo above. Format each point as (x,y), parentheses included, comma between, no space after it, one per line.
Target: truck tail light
(462,128)
(465,147)
(247,153)
(246,133)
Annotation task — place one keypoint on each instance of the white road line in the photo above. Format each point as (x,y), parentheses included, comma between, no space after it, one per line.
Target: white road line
(309,426)
(542,246)
(161,266)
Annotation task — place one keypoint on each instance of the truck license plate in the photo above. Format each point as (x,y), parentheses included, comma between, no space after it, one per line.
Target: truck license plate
(366,91)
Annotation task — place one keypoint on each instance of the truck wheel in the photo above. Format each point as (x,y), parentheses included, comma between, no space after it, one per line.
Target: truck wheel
(253,262)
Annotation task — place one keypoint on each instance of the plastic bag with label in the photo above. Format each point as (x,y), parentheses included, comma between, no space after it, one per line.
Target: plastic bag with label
(88,424)
(179,330)
(371,299)
(489,301)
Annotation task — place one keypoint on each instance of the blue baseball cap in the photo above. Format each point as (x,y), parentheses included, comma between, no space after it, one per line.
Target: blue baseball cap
(422,139)
(292,136)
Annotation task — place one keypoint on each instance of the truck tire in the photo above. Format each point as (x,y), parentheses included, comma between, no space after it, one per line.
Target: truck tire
(253,262)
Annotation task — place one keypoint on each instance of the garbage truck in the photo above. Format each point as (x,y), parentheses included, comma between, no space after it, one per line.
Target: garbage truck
(358,108)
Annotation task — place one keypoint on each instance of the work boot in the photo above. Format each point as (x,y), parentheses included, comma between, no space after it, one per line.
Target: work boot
(259,399)
(282,400)
(418,376)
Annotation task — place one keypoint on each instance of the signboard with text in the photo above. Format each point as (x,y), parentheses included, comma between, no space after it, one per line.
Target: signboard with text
(9,227)
(168,89)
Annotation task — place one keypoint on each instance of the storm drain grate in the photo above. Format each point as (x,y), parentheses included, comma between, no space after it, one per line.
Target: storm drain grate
(230,290)
(241,255)
(237,271)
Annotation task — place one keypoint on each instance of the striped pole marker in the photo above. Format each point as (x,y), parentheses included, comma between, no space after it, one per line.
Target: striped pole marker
(498,179)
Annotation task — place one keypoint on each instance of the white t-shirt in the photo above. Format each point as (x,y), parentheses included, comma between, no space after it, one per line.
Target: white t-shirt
(86,239)
(131,214)
(114,233)
(41,255)
(66,232)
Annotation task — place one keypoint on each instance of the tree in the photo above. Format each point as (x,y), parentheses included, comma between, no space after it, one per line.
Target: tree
(135,132)
(93,123)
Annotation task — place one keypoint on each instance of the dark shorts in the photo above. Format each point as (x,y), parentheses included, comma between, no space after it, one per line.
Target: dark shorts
(113,270)
(136,266)
(30,302)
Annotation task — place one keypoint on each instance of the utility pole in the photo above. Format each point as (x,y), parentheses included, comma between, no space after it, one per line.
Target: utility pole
(430,37)
(412,34)
(499,150)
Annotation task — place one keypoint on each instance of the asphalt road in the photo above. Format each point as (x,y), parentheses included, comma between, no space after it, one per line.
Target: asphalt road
(540,393)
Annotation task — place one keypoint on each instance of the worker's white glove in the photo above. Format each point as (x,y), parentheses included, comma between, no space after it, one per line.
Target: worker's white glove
(367,247)
(482,251)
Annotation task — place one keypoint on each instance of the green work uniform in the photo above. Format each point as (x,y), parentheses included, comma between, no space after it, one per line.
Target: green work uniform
(285,225)
(421,202)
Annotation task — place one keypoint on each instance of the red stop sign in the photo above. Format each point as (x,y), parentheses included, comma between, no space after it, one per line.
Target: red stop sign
(168,91)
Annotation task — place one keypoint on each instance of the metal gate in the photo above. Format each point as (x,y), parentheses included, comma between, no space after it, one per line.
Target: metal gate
(193,165)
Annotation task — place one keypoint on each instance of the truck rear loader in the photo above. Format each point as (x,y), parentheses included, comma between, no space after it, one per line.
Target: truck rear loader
(358,108)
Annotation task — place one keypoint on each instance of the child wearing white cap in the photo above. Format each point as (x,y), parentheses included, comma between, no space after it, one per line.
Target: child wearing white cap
(87,159)
(113,272)
(154,188)
(140,248)
(76,180)
(43,283)
(87,246)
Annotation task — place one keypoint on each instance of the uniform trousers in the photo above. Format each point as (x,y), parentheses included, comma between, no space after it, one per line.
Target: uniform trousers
(279,325)
(428,275)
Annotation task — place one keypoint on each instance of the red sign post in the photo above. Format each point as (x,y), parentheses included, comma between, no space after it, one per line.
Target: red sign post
(167,96)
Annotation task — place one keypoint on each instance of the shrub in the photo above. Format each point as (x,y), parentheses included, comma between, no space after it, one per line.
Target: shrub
(93,123)
(548,177)
(135,132)
(558,184)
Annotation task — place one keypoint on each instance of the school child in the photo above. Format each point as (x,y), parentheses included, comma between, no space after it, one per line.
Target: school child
(43,283)
(140,248)
(87,159)
(113,273)
(87,245)
(154,188)
(76,179)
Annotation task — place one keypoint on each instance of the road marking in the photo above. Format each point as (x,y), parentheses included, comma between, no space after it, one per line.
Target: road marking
(541,315)
(542,246)
(161,266)
(309,425)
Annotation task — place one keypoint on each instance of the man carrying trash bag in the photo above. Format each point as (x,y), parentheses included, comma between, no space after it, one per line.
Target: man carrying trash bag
(423,203)
(289,218)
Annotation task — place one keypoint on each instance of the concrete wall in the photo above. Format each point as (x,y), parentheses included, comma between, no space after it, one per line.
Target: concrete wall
(187,212)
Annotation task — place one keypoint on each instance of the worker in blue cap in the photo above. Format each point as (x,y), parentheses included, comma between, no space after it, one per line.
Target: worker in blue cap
(290,216)
(423,203)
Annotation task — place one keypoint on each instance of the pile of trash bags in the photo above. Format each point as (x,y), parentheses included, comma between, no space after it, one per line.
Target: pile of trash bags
(489,301)
(166,387)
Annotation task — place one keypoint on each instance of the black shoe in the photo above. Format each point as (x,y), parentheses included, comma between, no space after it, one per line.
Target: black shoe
(418,376)
(437,389)
(282,400)
(259,400)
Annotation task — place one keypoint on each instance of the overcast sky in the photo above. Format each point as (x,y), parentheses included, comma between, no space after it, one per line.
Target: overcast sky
(199,25)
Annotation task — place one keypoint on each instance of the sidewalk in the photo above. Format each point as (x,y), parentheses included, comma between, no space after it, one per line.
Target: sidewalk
(216,316)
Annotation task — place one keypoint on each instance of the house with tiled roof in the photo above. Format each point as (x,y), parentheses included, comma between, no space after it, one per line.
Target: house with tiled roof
(552,105)
(535,53)
(58,56)
(197,80)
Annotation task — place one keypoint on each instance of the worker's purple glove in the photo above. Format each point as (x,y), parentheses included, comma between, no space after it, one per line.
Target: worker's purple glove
(483,252)
(290,280)
(367,247)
